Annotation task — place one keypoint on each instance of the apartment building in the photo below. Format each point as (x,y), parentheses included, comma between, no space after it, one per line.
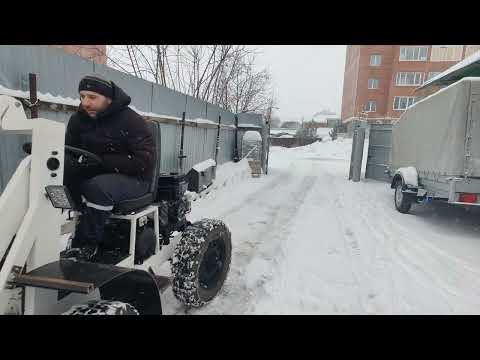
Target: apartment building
(380,80)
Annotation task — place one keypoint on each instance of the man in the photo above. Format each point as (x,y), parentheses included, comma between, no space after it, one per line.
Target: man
(105,126)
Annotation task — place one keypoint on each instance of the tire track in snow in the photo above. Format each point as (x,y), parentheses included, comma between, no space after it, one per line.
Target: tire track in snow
(263,245)
(413,260)
(351,243)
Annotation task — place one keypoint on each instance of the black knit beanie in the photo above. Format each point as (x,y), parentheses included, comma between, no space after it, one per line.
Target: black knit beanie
(96,84)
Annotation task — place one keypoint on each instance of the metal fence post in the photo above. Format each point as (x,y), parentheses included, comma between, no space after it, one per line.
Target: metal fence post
(356,158)
(359,144)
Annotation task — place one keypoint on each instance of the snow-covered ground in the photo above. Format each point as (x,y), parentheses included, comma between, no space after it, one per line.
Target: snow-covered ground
(308,241)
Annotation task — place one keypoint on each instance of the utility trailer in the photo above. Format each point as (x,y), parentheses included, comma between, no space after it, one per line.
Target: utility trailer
(436,148)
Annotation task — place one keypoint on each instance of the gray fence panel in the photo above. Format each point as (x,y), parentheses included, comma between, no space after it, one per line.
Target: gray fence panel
(139,90)
(168,161)
(228,118)
(59,73)
(252,119)
(195,108)
(210,143)
(74,71)
(379,148)
(167,102)
(60,116)
(213,112)
(11,154)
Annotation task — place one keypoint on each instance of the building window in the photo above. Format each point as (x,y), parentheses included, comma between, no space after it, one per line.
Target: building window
(413,53)
(432,74)
(471,49)
(373,83)
(446,53)
(375,60)
(370,106)
(403,102)
(409,78)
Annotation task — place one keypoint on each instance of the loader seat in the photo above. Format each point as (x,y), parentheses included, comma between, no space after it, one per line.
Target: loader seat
(132,205)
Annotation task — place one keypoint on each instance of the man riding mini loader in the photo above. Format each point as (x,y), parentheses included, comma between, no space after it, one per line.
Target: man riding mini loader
(128,218)
(107,127)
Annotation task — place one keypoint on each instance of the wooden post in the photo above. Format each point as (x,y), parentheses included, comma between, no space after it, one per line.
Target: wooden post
(32,80)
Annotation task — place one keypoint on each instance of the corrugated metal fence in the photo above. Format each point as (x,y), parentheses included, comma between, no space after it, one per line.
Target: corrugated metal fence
(58,75)
(379,149)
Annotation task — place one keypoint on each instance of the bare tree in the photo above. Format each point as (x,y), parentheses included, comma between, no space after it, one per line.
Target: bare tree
(224,75)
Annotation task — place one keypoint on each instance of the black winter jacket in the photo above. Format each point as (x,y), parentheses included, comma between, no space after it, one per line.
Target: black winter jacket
(118,135)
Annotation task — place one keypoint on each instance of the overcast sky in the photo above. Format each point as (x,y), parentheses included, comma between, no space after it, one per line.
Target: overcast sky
(306,79)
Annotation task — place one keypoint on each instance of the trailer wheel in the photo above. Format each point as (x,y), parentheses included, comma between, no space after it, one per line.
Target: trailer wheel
(102,307)
(403,202)
(201,262)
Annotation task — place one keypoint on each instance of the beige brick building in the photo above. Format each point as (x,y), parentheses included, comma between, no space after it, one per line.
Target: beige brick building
(96,53)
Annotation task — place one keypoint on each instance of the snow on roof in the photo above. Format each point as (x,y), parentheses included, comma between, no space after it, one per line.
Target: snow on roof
(442,90)
(204,165)
(322,118)
(475,57)
(249,125)
(56,99)
(252,136)
(42,97)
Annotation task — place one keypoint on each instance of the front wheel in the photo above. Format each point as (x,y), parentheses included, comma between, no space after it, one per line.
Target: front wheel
(201,262)
(403,202)
(102,307)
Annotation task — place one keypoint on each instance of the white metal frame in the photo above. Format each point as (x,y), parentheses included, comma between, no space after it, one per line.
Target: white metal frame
(25,210)
(150,210)
(27,214)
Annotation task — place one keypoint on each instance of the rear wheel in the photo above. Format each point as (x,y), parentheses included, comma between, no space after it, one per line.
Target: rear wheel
(102,307)
(403,202)
(201,262)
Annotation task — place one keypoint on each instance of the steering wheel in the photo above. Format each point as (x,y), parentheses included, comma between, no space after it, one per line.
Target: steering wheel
(83,156)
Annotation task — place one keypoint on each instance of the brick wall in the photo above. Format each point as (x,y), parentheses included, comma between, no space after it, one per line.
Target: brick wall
(96,53)
(358,70)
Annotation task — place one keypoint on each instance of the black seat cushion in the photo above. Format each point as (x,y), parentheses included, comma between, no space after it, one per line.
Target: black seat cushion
(131,205)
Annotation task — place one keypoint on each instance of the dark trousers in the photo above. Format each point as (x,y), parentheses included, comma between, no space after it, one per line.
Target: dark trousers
(96,195)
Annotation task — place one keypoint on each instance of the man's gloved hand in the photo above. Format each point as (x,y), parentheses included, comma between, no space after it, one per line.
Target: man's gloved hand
(87,161)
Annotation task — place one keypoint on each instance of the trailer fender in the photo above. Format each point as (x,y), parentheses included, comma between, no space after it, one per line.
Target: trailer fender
(409,178)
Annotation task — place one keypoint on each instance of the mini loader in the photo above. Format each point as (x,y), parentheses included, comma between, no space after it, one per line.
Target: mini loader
(143,235)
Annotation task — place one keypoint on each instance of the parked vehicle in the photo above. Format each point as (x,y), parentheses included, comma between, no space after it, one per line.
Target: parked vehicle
(436,148)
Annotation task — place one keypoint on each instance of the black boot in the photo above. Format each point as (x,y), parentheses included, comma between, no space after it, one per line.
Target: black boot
(88,235)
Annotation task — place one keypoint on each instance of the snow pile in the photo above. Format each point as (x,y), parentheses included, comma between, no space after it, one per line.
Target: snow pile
(41,96)
(249,125)
(230,173)
(204,121)
(204,165)
(324,133)
(475,57)
(282,131)
(227,176)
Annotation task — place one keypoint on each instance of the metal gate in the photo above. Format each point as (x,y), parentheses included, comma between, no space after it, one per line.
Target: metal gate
(379,148)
